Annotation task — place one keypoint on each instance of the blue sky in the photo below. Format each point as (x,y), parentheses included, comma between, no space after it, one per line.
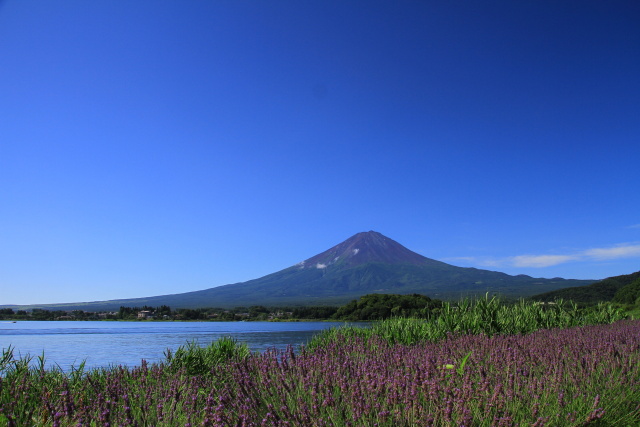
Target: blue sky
(155,147)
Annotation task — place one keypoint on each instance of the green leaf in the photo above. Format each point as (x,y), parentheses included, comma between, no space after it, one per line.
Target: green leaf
(463,362)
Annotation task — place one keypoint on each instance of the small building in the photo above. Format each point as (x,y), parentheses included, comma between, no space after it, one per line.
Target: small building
(145,314)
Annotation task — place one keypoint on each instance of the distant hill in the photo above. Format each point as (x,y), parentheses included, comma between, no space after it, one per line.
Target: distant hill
(363,264)
(604,290)
(629,294)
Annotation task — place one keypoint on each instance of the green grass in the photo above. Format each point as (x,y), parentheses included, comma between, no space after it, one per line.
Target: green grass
(488,316)
(196,360)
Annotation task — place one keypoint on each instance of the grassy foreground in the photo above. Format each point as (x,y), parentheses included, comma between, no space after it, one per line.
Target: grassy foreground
(398,373)
(487,316)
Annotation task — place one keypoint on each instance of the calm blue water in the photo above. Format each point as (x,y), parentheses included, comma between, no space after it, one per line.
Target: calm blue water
(100,343)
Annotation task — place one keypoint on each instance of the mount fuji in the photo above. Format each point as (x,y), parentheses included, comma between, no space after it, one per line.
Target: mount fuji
(365,263)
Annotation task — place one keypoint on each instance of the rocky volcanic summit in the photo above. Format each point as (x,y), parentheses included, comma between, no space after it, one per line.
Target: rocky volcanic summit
(364,248)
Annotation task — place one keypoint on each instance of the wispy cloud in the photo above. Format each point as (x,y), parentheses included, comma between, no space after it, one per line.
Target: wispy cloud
(634,226)
(627,251)
(540,261)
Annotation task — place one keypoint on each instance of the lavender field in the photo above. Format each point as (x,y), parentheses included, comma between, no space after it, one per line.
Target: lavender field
(577,376)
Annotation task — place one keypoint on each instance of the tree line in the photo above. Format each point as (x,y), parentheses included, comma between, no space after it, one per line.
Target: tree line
(368,307)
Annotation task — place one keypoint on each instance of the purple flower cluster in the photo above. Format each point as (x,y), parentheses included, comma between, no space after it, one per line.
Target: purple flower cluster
(554,377)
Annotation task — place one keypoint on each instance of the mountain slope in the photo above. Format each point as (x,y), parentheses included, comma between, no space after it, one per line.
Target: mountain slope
(365,263)
(603,290)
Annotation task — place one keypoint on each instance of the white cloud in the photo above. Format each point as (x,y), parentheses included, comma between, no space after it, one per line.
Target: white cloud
(541,260)
(320,266)
(627,251)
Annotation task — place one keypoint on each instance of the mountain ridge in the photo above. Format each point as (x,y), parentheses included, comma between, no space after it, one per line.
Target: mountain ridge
(367,262)
(603,290)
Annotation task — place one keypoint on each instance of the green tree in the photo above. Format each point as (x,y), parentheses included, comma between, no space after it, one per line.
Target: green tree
(383,306)
(628,294)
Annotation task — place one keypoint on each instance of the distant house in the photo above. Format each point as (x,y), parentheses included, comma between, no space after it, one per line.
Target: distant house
(106,315)
(145,314)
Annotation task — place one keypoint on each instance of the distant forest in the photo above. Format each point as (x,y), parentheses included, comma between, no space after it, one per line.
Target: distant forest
(368,307)
(624,289)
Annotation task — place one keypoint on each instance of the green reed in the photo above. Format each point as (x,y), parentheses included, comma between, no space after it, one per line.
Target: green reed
(487,315)
(197,360)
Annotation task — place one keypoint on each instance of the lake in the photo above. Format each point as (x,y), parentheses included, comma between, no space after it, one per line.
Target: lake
(103,343)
